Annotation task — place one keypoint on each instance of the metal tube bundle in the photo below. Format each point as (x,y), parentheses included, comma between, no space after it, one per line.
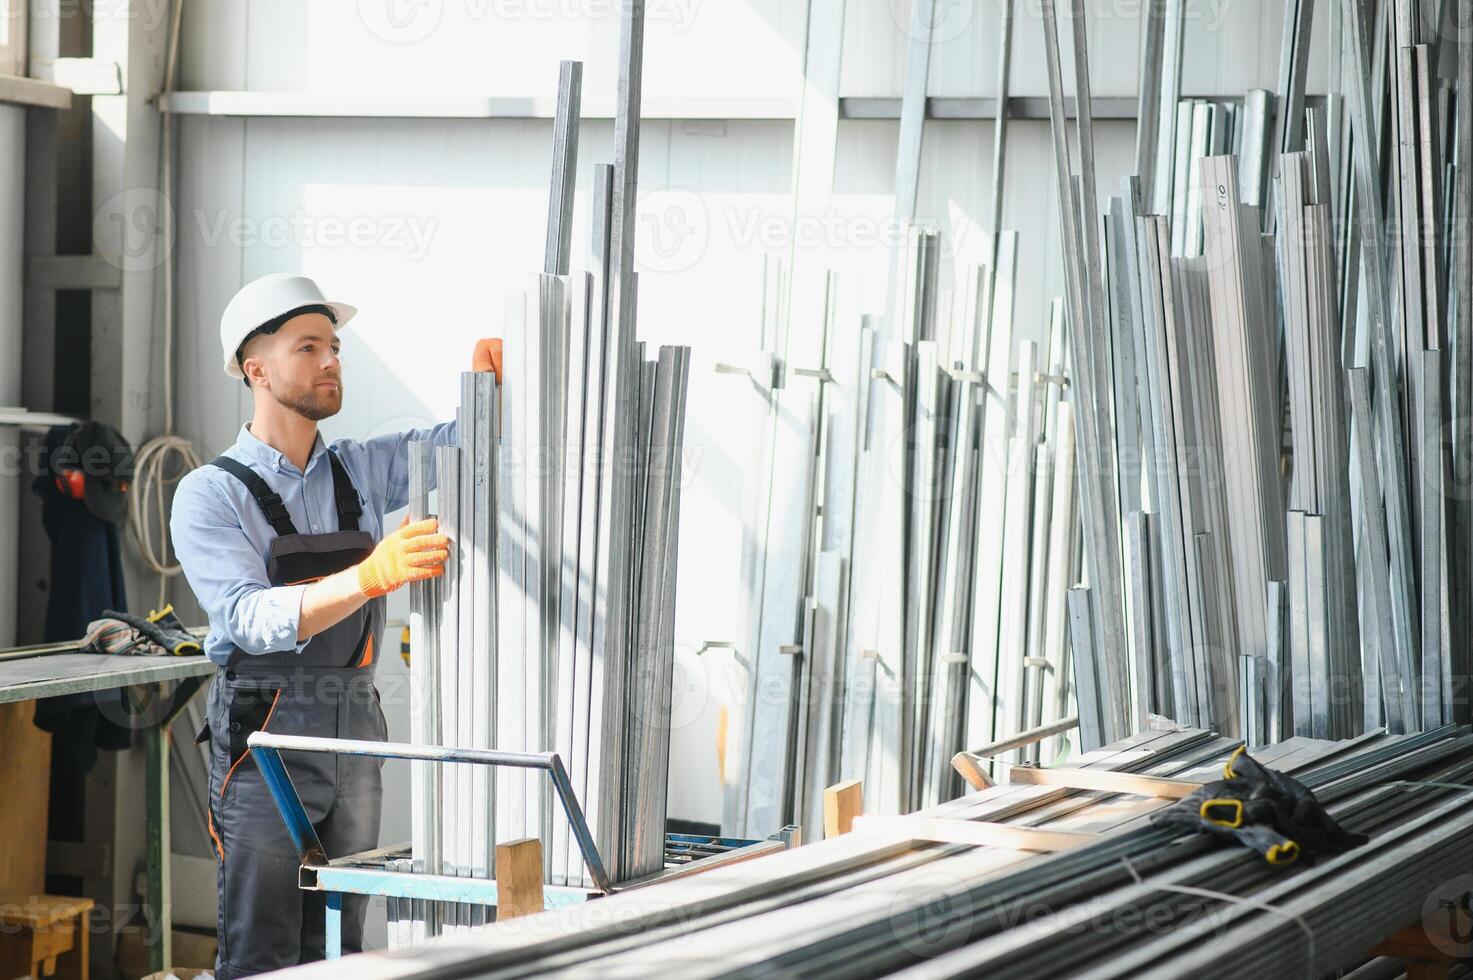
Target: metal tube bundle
(520,674)
(874,655)
(552,627)
(1297,558)
(1121,898)
(1268,393)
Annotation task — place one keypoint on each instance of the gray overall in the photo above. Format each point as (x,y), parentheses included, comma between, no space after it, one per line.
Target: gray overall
(265,921)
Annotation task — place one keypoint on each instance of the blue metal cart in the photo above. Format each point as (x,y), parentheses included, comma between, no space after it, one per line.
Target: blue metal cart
(366,873)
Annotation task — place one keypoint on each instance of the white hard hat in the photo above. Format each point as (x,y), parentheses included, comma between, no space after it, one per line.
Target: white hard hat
(263,300)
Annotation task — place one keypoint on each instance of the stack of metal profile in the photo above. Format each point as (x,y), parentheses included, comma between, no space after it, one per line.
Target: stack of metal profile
(1296,563)
(1290,567)
(912,524)
(1267,398)
(1076,882)
(880,600)
(551,629)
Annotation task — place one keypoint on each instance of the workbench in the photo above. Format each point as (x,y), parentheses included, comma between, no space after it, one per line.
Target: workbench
(30,678)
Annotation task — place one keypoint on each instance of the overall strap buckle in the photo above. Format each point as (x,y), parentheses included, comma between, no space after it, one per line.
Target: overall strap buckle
(268,499)
(349,509)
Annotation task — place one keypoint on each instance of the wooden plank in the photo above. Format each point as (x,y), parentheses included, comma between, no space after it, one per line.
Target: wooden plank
(518,878)
(981,833)
(25,781)
(842,803)
(1104,781)
(33,92)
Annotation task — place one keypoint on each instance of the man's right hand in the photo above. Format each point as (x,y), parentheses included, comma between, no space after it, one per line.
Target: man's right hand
(413,553)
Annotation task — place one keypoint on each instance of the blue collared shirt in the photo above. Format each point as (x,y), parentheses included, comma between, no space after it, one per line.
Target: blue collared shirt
(221,537)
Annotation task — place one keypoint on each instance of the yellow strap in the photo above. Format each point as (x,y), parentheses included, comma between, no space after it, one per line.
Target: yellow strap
(1285,853)
(154,617)
(1233,824)
(1227,769)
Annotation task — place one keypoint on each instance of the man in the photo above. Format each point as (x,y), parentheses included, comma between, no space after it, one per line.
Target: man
(282,541)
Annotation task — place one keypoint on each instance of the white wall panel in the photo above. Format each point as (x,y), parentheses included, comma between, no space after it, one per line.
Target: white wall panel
(693,48)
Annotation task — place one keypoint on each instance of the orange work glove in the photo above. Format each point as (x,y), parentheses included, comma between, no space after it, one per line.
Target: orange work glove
(487,356)
(411,554)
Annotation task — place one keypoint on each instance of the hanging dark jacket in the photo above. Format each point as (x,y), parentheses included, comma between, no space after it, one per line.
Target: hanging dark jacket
(86,578)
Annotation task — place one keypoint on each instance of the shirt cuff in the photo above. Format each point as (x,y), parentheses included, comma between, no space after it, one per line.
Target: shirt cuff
(277,617)
(296,604)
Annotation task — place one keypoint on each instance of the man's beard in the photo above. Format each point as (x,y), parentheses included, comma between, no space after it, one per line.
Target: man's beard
(311,402)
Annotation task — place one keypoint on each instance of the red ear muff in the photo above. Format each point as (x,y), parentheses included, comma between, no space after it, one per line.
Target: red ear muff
(72,484)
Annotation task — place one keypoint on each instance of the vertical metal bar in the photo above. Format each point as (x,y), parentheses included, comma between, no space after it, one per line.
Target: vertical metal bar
(1293,69)
(1100,523)
(572,461)
(1018,520)
(1062,555)
(994,424)
(1175,590)
(470,834)
(1274,662)
(1429,431)
(1138,554)
(333,925)
(1038,562)
(1124,347)
(564,168)
(1148,105)
(447,469)
(486,697)
(611,630)
(1082,640)
(1000,125)
(665,640)
(815,146)
(520,518)
(1299,665)
(1460,387)
(423,694)
(592,481)
(649,706)
(1128,213)
(1396,677)
(159,898)
(913,107)
(1317,620)
(1161,191)
(1388,425)
(924,425)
